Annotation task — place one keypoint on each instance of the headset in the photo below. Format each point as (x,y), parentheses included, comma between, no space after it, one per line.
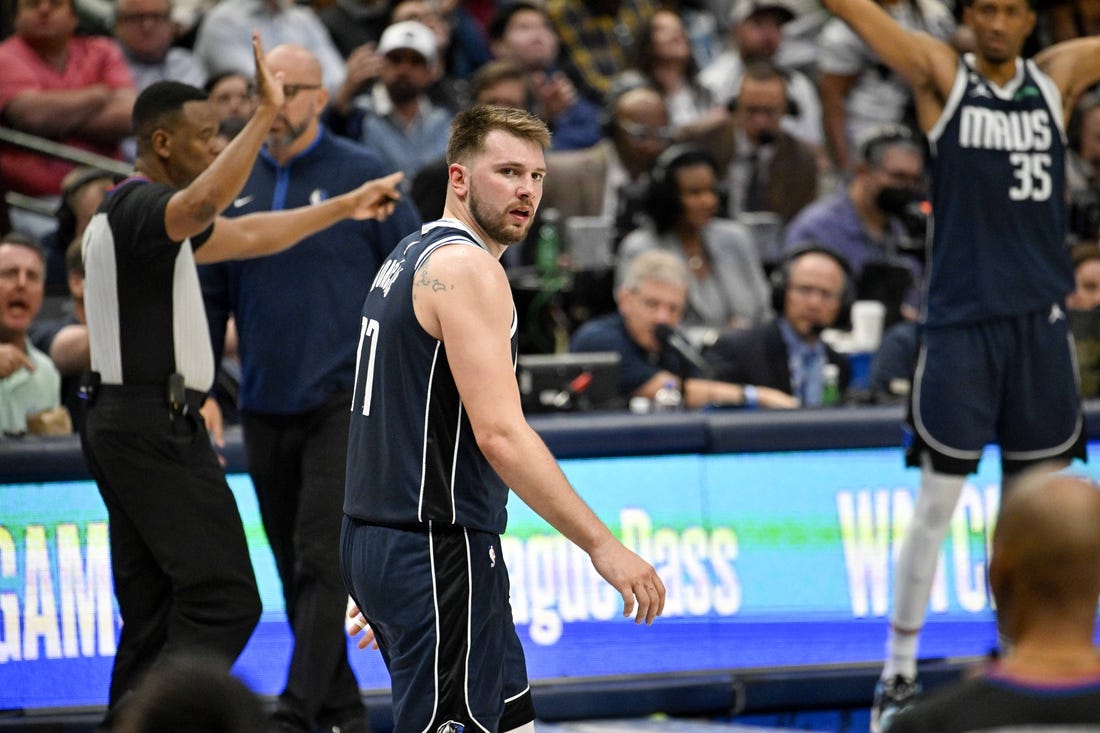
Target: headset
(662,198)
(780,277)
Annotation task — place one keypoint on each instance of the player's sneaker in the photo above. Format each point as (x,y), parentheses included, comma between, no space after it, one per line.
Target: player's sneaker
(891,697)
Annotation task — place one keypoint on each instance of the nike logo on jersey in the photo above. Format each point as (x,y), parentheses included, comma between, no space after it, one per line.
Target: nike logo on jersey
(317,196)
(242,201)
(492,557)
(1056,313)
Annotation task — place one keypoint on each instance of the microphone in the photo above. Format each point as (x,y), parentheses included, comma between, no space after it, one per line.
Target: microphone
(675,340)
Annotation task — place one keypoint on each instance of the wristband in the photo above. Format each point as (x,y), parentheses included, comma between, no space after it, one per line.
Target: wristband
(749,394)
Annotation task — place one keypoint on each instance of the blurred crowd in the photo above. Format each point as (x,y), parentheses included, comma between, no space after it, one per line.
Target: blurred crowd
(760,143)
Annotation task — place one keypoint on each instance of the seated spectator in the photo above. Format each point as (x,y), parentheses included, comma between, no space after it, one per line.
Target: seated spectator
(82,191)
(76,90)
(858,91)
(764,166)
(397,121)
(191,694)
(727,286)
(663,59)
(1083,168)
(144,31)
(65,338)
(812,291)
(29,383)
(461,43)
(1044,575)
(653,294)
(231,95)
(1084,315)
(869,222)
(522,33)
(610,178)
(756,32)
(596,40)
(224,38)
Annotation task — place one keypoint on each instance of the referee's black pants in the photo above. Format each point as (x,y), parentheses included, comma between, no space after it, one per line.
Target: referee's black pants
(183,577)
(297,465)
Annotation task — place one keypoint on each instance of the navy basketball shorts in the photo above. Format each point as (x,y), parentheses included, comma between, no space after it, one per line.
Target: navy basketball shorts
(1011,381)
(438,603)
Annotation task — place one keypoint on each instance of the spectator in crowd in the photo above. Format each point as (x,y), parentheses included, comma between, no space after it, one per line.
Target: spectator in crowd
(701,27)
(651,301)
(461,43)
(180,564)
(355,23)
(29,382)
(1044,575)
(858,91)
(76,90)
(223,43)
(867,222)
(756,31)
(663,59)
(609,179)
(1084,315)
(397,120)
(65,337)
(192,694)
(1066,19)
(766,168)
(597,39)
(812,292)
(231,95)
(144,31)
(521,32)
(1083,167)
(294,410)
(82,191)
(726,287)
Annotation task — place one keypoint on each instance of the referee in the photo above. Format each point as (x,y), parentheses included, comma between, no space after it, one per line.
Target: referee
(180,562)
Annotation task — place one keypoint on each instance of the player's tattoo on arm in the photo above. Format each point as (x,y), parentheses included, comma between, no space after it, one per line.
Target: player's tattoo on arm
(426,280)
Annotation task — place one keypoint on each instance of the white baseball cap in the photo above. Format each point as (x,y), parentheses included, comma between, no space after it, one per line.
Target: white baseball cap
(411,34)
(747,8)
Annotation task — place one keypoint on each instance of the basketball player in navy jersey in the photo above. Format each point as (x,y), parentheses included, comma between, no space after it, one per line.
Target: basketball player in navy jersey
(438,437)
(996,363)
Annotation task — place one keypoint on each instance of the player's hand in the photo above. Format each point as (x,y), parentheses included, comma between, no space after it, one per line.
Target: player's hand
(269,87)
(775,399)
(376,199)
(12,359)
(211,413)
(356,623)
(642,590)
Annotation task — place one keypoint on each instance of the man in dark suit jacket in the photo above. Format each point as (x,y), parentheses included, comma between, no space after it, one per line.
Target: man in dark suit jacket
(812,290)
(753,137)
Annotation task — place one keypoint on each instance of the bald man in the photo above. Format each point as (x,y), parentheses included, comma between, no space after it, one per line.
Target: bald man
(1045,578)
(293,314)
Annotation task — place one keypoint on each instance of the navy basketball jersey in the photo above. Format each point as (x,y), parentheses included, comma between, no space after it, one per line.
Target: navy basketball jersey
(998,180)
(412,457)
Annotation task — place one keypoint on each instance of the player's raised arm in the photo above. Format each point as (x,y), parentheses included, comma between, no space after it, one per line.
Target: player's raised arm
(1074,66)
(927,64)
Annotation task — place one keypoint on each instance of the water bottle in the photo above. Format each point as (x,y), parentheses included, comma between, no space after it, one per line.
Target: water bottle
(548,246)
(830,392)
(668,397)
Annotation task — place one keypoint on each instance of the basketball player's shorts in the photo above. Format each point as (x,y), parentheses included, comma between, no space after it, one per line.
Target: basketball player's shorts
(1011,381)
(438,603)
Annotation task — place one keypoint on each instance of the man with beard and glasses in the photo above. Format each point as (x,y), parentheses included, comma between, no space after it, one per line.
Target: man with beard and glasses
(397,119)
(296,377)
(438,437)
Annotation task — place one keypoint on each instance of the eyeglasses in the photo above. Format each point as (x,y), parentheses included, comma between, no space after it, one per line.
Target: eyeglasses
(641,132)
(805,291)
(290,91)
(138,18)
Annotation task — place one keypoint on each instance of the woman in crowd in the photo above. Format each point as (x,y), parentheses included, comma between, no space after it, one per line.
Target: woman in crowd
(728,288)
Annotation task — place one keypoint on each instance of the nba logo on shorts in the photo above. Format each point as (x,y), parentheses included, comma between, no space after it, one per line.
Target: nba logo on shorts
(451,727)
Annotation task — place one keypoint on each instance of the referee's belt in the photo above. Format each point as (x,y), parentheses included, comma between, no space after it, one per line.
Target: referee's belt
(150,393)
